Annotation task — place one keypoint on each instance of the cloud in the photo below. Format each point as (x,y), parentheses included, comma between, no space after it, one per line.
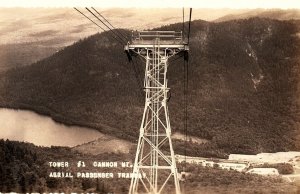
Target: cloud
(44,33)
(14,26)
(80,28)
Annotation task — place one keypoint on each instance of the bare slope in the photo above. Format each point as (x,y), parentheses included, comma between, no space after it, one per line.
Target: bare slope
(105,144)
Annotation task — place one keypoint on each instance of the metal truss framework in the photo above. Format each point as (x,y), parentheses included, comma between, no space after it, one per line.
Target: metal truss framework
(155,166)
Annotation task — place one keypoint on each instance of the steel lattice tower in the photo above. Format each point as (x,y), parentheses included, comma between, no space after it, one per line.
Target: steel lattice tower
(155,164)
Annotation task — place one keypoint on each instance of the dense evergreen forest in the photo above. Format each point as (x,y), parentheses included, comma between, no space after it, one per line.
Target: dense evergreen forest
(25,168)
(243,87)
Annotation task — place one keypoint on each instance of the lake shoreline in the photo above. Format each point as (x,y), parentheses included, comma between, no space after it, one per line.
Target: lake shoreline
(30,126)
(59,118)
(44,111)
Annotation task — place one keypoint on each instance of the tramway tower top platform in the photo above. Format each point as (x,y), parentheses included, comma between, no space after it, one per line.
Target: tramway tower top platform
(163,39)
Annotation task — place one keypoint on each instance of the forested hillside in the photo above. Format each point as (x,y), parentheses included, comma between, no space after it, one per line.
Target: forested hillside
(24,168)
(243,87)
(278,14)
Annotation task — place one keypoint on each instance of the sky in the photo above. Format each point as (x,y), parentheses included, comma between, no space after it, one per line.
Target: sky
(235,4)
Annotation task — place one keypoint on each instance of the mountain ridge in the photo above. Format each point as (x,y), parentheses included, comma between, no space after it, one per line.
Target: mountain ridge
(242,98)
(278,14)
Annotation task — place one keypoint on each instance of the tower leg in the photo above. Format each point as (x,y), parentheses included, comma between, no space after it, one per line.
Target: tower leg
(155,164)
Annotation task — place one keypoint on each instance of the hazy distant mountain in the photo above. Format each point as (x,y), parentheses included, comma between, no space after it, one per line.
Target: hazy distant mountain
(243,87)
(31,34)
(16,55)
(277,14)
(23,25)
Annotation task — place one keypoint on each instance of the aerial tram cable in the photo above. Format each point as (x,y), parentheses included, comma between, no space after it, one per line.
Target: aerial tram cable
(183,23)
(89,18)
(136,74)
(175,59)
(137,77)
(97,25)
(189,26)
(185,90)
(117,30)
(185,110)
(124,42)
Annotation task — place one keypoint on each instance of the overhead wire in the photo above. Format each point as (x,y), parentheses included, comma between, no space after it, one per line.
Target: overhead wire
(89,18)
(189,25)
(96,24)
(123,42)
(183,30)
(137,73)
(185,107)
(138,78)
(120,40)
(140,70)
(117,30)
(185,89)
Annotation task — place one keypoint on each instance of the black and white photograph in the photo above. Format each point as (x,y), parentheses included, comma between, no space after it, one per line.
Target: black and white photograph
(150,97)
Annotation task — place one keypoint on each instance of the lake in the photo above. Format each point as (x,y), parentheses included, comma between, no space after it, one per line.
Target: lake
(28,126)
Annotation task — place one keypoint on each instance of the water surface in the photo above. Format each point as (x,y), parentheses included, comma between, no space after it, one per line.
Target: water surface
(28,126)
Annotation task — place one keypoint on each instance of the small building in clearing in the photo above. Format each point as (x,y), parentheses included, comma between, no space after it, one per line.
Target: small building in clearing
(264,171)
(234,165)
